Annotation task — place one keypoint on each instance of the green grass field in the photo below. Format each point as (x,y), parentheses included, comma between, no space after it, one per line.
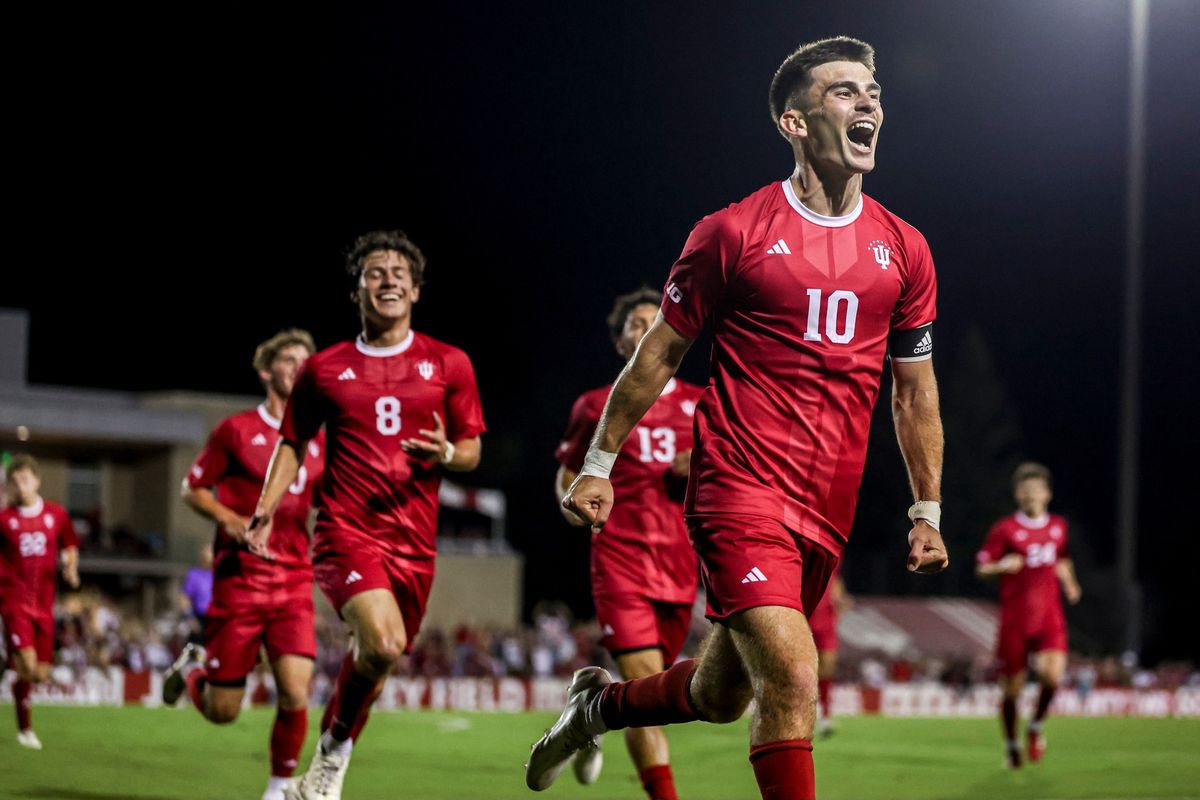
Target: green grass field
(159,754)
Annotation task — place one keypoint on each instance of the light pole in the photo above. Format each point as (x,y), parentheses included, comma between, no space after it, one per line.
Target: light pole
(1131,339)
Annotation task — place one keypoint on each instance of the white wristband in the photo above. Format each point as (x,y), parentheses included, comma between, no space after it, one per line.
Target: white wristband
(448,456)
(928,510)
(598,463)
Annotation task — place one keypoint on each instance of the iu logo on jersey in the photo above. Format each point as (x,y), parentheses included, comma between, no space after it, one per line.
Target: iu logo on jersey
(425,368)
(883,253)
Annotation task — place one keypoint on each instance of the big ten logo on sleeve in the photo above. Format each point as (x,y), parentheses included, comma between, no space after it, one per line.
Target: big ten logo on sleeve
(32,544)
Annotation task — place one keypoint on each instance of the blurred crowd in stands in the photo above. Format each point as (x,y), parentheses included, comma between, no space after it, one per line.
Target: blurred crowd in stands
(92,632)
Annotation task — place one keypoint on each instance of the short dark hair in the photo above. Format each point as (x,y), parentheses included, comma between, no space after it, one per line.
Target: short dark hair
(385,240)
(794,75)
(626,303)
(1031,470)
(24,461)
(266,352)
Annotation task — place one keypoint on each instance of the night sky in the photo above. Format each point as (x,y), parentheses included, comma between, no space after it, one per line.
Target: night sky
(185,191)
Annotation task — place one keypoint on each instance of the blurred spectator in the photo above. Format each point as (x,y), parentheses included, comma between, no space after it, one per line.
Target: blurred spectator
(197,592)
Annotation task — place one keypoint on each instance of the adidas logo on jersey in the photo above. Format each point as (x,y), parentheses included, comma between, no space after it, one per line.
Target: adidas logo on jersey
(347,375)
(925,345)
(754,576)
(259,440)
(352,577)
(780,248)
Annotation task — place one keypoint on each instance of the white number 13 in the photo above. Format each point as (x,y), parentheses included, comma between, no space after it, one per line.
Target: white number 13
(658,444)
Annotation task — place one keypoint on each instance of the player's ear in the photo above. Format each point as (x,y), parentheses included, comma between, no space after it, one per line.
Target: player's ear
(416,293)
(792,124)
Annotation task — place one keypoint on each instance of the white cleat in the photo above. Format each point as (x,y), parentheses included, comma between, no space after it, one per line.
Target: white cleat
(29,739)
(569,734)
(175,678)
(277,792)
(588,763)
(323,781)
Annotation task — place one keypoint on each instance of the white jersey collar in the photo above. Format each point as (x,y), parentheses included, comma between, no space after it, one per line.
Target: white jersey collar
(384,352)
(1032,522)
(670,387)
(33,510)
(814,217)
(267,418)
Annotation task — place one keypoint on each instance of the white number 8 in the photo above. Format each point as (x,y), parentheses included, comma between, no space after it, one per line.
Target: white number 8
(387,415)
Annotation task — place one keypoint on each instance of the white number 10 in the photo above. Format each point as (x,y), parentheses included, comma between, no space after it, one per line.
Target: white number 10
(813,334)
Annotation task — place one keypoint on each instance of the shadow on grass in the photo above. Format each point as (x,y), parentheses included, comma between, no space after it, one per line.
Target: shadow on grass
(51,793)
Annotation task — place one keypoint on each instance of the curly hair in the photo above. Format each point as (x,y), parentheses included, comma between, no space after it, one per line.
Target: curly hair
(375,241)
(626,303)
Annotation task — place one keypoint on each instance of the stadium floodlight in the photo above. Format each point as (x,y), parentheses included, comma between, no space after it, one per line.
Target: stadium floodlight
(1131,340)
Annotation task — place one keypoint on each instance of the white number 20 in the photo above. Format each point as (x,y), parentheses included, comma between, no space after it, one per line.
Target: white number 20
(387,415)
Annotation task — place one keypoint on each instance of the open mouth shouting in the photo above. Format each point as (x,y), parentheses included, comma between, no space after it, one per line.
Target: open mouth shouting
(862,136)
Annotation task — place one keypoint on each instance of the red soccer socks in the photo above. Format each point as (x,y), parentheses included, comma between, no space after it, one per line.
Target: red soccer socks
(784,770)
(21,691)
(660,699)
(351,702)
(287,737)
(658,782)
(195,687)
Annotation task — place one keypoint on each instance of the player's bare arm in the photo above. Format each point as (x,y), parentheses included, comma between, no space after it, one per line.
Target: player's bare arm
(460,456)
(640,383)
(205,502)
(918,423)
(1065,569)
(1011,563)
(285,466)
(70,566)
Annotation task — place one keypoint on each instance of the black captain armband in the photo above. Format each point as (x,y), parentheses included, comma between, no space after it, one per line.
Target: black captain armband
(915,344)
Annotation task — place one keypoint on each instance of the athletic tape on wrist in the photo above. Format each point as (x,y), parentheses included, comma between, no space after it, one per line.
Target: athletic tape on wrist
(448,456)
(598,463)
(928,510)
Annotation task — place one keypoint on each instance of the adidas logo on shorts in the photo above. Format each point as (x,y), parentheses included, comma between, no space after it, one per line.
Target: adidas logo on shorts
(754,576)
(352,577)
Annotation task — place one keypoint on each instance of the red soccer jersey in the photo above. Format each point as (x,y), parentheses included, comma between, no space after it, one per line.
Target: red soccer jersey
(801,307)
(234,464)
(1030,596)
(30,541)
(370,399)
(644,547)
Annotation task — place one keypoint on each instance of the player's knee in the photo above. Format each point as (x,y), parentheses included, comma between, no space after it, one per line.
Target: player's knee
(791,686)
(222,713)
(721,704)
(380,656)
(293,697)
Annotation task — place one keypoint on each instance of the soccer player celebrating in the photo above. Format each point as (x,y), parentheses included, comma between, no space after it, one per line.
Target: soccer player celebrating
(398,409)
(1028,550)
(824,621)
(806,284)
(256,602)
(644,570)
(36,537)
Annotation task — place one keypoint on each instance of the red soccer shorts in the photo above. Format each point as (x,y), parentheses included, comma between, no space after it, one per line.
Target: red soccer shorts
(22,629)
(351,570)
(232,638)
(823,622)
(1016,643)
(750,561)
(630,621)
